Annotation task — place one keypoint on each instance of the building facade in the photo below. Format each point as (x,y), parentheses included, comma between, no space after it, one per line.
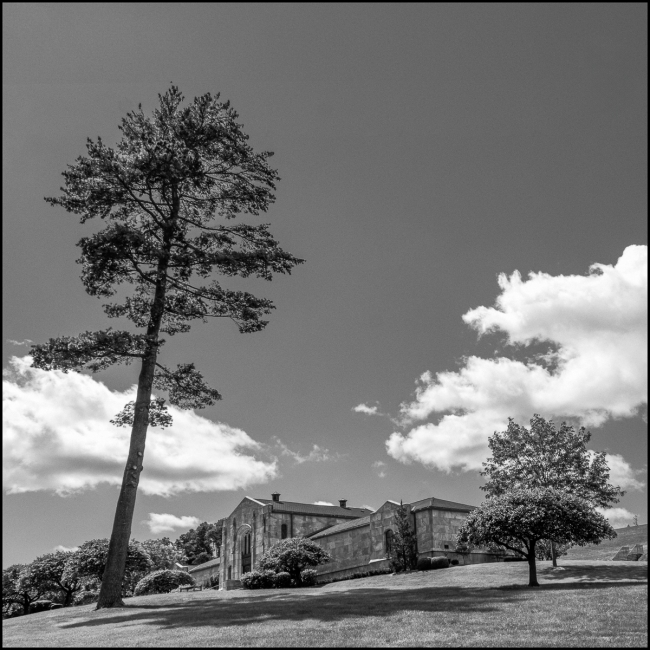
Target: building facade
(357,538)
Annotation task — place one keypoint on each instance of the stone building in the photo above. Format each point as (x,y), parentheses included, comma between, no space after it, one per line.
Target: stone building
(357,538)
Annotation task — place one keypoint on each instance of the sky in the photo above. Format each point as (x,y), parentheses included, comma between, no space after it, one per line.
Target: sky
(468,186)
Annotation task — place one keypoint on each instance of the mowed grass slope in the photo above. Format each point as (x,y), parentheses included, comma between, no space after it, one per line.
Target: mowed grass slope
(608,548)
(579,604)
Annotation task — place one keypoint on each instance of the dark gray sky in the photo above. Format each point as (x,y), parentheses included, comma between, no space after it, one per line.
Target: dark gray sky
(423,150)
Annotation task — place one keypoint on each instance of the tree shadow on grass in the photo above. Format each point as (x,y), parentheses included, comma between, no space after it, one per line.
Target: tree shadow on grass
(325,607)
(611,574)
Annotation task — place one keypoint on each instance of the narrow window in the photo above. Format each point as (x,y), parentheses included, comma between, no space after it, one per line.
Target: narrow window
(229,573)
(389,542)
(284,531)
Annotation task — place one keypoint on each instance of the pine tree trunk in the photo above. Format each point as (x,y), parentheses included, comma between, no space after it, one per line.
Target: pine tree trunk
(532,567)
(110,593)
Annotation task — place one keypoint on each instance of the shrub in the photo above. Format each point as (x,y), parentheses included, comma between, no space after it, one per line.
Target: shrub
(439,563)
(282,580)
(86,596)
(454,562)
(162,582)
(258,579)
(293,555)
(39,606)
(424,564)
(308,577)
(56,606)
(514,558)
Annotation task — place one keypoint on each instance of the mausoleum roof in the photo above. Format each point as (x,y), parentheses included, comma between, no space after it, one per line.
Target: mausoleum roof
(440,504)
(313,509)
(339,528)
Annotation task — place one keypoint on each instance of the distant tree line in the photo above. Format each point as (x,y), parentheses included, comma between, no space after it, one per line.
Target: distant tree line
(68,578)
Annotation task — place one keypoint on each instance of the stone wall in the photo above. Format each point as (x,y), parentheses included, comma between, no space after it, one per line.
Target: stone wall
(436,530)
(204,572)
(349,549)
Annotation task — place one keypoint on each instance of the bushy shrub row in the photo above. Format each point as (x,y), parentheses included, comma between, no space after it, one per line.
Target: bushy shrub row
(258,579)
(162,582)
(514,558)
(429,563)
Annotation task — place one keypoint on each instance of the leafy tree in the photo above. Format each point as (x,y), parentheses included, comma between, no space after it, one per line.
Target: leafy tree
(19,590)
(546,550)
(293,555)
(164,553)
(403,553)
(520,518)
(167,192)
(545,456)
(89,562)
(49,571)
(197,544)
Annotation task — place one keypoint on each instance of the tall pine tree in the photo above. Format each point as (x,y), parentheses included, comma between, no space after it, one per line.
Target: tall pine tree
(403,553)
(168,193)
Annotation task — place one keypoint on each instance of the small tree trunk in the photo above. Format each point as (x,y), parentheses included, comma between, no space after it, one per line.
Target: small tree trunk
(532,567)
(553,556)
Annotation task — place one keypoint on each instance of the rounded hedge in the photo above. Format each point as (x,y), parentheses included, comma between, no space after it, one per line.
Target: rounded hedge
(454,562)
(282,580)
(308,577)
(439,563)
(162,582)
(424,564)
(40,606)
(258,579)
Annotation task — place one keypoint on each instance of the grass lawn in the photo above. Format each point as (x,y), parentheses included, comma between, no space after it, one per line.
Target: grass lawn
(608,548)
(588,604)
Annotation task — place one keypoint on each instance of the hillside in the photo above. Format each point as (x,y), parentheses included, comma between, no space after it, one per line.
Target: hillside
(608,548)
(579,604)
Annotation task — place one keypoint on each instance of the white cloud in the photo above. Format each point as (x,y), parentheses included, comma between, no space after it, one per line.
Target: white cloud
(617,517)
(379,466)
(316,455)
(163,522)
(25,342)
(65,549)
(323,503)
(597,325)
(368,410)
(622,474)
(57,436)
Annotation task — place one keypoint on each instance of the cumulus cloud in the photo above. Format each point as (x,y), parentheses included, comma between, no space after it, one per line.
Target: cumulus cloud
(164,523)
(379,465)
(622,474)
(25,342)
(65,549)
(57,436)
(617,517)
(316,455)
(368,410)
(323,503)
(596,368)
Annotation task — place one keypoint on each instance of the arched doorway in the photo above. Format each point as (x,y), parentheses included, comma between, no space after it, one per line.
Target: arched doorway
(243,551)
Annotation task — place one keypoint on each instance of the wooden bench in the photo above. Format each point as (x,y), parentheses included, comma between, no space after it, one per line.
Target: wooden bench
(191,588)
